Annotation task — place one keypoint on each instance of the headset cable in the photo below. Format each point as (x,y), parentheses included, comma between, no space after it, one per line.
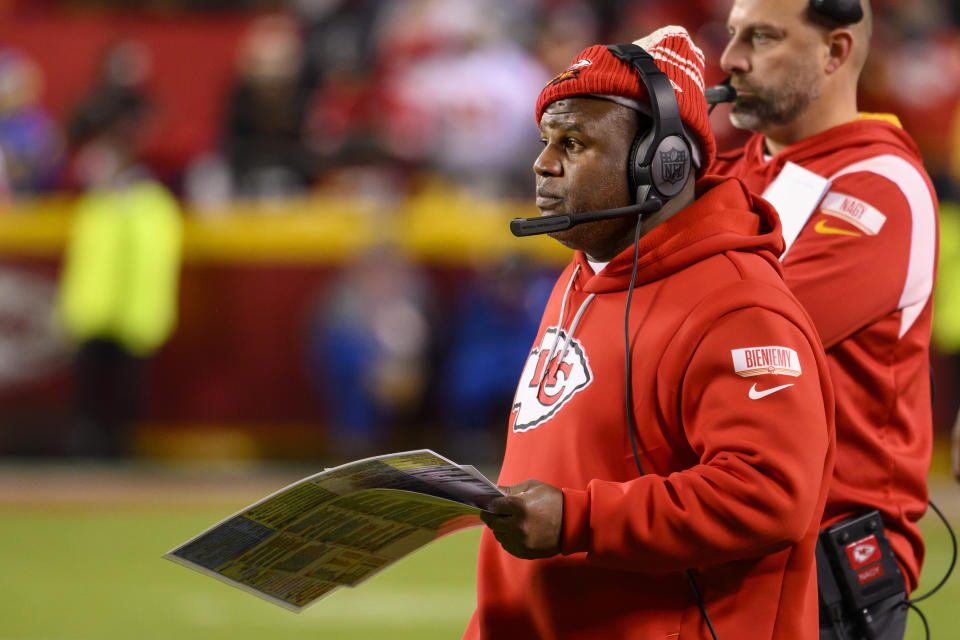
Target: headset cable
(911,602)
(631,424)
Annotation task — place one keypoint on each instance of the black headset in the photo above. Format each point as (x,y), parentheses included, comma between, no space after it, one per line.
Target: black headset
(840,11)
(659,163)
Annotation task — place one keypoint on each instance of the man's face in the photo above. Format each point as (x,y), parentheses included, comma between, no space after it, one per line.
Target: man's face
(773,62)
(583,167)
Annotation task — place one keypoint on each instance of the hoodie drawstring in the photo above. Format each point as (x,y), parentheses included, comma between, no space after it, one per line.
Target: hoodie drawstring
(573,325)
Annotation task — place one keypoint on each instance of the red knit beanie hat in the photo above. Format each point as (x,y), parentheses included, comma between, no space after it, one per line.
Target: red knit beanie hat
(596,71)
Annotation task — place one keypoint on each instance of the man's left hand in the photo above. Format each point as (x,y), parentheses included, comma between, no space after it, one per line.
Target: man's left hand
(527,521)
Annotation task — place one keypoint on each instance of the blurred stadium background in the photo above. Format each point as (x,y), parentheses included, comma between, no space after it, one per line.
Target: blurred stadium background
(319,270)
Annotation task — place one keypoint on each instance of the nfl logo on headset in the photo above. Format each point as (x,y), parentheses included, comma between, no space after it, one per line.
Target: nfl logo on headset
(672,163)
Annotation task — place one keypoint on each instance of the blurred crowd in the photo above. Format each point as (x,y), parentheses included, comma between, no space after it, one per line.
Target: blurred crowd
(366,95)
(368,99)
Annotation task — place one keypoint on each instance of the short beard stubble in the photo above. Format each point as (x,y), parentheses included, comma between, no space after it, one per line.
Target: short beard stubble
(775,106)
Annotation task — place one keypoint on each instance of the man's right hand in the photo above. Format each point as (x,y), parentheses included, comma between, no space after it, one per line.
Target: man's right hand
(527,520)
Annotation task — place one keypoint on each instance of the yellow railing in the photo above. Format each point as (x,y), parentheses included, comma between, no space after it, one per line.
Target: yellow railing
(437,225)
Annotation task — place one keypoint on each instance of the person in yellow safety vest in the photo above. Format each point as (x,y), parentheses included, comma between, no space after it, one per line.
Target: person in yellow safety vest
(118,302)
(118,286)
(122,266)
(955,457)
(946,305)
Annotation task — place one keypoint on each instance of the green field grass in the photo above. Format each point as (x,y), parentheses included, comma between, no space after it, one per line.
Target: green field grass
(94,571)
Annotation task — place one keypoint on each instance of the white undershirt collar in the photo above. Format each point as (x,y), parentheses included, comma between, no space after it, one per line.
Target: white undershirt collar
(597,266)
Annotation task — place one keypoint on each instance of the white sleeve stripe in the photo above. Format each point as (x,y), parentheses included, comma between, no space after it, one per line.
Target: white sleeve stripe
(923,229)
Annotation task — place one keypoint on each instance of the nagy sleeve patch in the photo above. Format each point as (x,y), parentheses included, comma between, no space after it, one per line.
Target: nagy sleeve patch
(758,361)
(853,210)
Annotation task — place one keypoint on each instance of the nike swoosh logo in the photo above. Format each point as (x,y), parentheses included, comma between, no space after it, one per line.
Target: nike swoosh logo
(823,228)
(756,395)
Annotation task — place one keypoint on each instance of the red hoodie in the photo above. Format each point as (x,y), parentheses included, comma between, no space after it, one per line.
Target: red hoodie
(863,267)
(734,419)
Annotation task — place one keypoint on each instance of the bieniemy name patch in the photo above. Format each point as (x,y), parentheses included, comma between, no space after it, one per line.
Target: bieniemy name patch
(758,361)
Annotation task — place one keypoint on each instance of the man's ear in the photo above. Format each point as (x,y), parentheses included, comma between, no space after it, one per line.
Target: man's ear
(839,48)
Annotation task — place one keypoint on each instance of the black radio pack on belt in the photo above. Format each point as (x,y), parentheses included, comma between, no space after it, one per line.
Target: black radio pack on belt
(858,573)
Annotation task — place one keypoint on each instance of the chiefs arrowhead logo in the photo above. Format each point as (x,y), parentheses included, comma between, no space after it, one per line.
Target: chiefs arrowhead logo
(545,387)
(863,552)
(571,73)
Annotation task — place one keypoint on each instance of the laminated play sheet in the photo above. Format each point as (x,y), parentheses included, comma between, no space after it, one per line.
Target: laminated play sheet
(339,527)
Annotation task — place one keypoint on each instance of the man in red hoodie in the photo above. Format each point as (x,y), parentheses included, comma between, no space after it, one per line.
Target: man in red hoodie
(681,497)
(860,222)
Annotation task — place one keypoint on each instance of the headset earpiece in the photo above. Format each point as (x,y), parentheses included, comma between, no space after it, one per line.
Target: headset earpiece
(668,168)
(842,12)
(659,163)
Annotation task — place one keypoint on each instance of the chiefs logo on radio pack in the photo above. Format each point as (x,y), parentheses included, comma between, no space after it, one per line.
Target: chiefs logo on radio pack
(573,71)
(546,386)
(863,552)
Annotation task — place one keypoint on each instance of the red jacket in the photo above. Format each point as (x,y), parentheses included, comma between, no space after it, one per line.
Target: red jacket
(863,267)
(735,430)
